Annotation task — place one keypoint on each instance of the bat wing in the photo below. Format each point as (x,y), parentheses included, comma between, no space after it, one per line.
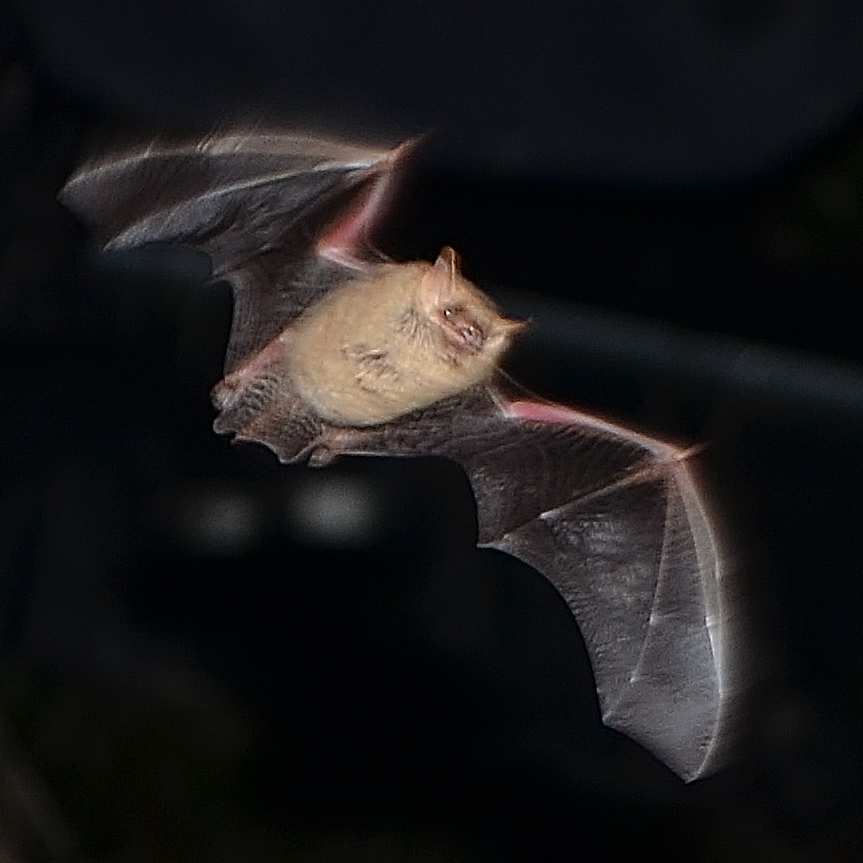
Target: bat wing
(617,523)
(262,206)
(612,518)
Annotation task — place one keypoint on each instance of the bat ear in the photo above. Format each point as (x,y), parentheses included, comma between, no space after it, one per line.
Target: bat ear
(448,261)
(439,282)
(511,327)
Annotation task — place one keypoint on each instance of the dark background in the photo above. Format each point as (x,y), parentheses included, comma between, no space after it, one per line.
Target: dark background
(208,656)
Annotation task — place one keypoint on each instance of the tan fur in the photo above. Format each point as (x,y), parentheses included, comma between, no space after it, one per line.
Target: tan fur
(394,340)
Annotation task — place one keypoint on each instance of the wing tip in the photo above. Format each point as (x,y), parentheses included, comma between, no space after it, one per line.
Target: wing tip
(238,139)
(90,191)
(696,730)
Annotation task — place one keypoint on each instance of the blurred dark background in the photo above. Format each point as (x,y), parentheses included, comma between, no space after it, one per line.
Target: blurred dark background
(208,656)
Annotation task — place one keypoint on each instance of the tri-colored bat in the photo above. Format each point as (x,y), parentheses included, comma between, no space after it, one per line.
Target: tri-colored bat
(335,349)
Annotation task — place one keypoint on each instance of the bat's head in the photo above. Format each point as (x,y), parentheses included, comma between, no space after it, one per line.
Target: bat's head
(467,325)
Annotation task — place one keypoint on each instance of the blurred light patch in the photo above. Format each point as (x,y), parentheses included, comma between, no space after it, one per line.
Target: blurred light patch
(219,521)
(335,510)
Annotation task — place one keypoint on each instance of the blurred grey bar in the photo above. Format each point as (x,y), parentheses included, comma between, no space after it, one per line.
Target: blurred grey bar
(32,828)
(725,363)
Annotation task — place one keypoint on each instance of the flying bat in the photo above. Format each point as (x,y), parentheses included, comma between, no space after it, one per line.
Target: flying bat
(335,349)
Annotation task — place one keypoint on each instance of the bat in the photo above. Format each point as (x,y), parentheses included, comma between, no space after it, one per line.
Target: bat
(337,350)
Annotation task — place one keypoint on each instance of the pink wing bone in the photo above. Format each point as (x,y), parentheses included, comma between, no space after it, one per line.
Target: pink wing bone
(547,412)
(340,242)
